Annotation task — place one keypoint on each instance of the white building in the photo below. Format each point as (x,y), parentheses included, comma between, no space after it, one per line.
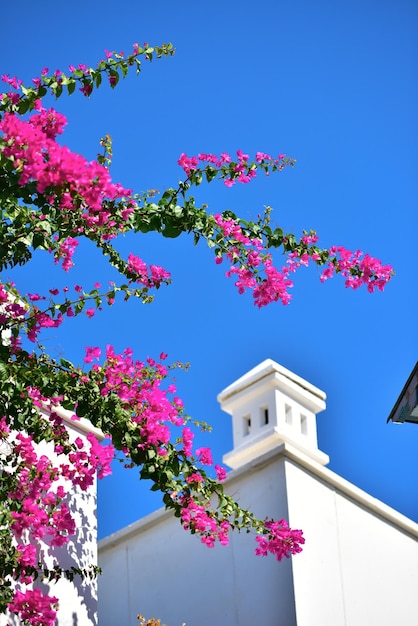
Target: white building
(359,566)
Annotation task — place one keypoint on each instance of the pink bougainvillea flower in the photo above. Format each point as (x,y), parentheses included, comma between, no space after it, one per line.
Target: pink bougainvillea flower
(91,354)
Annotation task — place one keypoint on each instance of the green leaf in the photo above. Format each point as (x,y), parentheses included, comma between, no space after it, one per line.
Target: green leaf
(171,232)
(71,86)
(79,306)
(98,79)
(39,241)
(211,173)
(67,364)
(23,106)
(83,408)
(4,372)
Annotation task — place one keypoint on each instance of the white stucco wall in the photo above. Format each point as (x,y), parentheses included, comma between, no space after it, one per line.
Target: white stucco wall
(359,565)
(360,562)
(158,569)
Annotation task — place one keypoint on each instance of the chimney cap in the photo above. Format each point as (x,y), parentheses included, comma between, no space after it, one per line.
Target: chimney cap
(264,370)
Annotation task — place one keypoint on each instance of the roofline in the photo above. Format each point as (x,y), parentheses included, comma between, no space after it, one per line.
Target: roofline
(405,387)
(80,424)
(330,478)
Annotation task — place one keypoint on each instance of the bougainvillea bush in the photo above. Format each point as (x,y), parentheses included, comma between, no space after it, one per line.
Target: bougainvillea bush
(52,198)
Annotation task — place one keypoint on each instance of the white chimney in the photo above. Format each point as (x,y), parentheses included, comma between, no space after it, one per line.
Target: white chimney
(270,405)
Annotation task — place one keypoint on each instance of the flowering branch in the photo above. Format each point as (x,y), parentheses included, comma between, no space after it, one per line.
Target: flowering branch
(51,199)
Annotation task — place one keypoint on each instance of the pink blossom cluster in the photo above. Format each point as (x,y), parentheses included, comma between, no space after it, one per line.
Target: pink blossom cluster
(12,310)
(4,428)
(34,607)
(276,537)
(85,463)
(92,353)
(195,517)
(280,540)
(48,121)
(358,268)
(274,286)
(13,81)
(40,319)
(65,251)
(255,271)
(41,510)
(27,556)
(138,387)
(67,178)
(204,455)
(241,170)
(152,277)
(220,473)
(196,477)
(187,439)
(191,163)
(247,261)
(45,516)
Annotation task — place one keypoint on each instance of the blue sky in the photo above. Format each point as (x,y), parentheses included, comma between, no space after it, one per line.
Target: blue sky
(332,84)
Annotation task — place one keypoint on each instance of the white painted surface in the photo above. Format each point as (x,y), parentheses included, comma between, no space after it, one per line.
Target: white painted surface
(161,570)
(360,562)
(359,566)
(270,405)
